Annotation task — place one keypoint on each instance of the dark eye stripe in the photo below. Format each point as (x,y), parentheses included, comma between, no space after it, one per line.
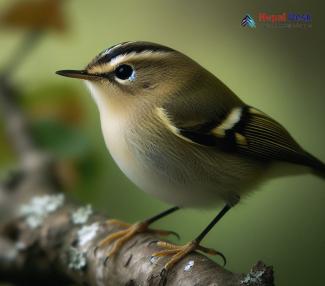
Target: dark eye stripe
(126,48)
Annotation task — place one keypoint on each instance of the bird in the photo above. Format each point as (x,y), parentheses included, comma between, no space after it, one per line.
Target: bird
(180,134)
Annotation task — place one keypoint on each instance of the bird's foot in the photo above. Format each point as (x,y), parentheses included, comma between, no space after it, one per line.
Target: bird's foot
(120,237)
(178,252)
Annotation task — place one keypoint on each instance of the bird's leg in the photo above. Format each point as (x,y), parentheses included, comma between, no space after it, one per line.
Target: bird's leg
(121,237)
(177,252)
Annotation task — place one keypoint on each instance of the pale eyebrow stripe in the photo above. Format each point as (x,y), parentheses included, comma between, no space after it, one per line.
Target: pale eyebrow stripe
(124,58)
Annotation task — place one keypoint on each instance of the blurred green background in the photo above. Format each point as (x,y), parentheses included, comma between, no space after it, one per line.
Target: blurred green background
(280,71)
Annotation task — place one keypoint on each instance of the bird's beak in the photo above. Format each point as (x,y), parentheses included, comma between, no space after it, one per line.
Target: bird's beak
(83,74)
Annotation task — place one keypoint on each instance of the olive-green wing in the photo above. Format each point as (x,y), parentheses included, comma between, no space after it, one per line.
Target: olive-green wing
(244,130)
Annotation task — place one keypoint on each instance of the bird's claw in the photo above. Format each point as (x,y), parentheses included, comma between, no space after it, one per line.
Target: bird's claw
(177,252)
(128,231)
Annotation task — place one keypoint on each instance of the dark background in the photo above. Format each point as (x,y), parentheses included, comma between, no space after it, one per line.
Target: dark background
(280,71)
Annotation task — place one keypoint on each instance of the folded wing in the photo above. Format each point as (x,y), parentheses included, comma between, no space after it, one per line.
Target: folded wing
(244,130)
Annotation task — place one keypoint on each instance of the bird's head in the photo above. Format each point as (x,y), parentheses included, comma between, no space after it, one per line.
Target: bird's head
(136,71)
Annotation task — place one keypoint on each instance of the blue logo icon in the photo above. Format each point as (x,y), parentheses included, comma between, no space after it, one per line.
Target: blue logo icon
(248,21)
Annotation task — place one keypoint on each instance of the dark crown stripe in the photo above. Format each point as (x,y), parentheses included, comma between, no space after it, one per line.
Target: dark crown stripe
(130,47)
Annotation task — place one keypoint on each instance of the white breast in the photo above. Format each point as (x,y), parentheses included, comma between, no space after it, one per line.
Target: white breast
(113,132)
(113,127)
(127,160)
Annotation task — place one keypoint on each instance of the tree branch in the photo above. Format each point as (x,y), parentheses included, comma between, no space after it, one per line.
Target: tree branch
(48,238)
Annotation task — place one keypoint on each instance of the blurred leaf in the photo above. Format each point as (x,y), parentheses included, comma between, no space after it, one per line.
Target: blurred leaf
(35,14)
(54,101)
(61,139)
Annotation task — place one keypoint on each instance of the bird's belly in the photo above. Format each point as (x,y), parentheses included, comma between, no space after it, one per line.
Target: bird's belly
(160,179)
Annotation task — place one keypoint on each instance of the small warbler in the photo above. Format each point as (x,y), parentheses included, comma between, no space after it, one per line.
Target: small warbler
(181,134)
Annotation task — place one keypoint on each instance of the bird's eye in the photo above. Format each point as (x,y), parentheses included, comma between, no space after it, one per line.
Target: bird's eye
(124,72)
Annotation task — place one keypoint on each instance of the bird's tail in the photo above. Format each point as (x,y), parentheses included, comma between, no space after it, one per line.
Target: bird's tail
(317,166)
